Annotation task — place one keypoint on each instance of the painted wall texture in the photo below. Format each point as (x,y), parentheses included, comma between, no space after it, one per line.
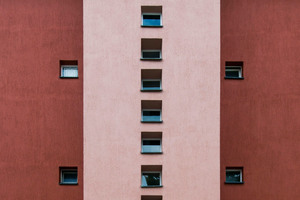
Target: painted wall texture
(260,114)
(40,114)
(190,99)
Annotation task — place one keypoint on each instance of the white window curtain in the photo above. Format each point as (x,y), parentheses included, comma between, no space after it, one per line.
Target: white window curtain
(69,71)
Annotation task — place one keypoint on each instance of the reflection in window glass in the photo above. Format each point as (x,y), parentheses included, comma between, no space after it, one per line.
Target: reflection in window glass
(234,175)
(150,179)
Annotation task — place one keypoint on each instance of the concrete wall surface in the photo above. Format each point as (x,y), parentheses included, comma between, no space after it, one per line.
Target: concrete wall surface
(40,114)
(190,99)
(260,114)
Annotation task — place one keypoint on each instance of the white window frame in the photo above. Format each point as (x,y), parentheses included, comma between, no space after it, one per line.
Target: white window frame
(145,80)
(235,170)
(151,172)
(68,66)
(160,15)
(233,69)
(151,110)
(145,139)
(152,50)
(67,170)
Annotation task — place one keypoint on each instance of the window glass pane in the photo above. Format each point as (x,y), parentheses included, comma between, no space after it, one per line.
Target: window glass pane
(151,113)
(151,16)
(70,72)
(151,84)
(232,73)
(151,146)
(233,176)
(69,177)
(151,142)
(154,54)
(151,179)
(151,20)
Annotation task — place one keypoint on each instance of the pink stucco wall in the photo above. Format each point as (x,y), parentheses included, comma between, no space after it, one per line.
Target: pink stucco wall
(190,100)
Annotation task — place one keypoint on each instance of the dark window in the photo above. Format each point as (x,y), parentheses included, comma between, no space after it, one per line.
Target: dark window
(234,73)
(151,84)
(234,176)
(151,142)
(151,54)
(151,179)
(234,70)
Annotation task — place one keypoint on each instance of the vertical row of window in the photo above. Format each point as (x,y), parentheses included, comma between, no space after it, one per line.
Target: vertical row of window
(151,110)
(68,70)
(234,70)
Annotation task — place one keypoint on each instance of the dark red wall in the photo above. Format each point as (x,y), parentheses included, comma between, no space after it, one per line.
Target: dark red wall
(40,114)
(260,120)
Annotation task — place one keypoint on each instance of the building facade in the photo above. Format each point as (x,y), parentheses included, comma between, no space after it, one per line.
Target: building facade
(120,53)
(149,100)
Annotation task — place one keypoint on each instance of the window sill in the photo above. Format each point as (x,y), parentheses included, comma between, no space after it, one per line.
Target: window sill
(151,90)
(151,59)
(154,186)
(62,77)
(68,183)
(151,121)
(236,78)
(149,26)
(226,182)
(151,152)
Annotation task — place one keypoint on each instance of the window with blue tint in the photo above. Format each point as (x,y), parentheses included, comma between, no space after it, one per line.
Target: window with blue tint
(234,175)
(151,19)
(151,84)
(151,145)
(151,54)
(151,115)
(68,69)
(68,175)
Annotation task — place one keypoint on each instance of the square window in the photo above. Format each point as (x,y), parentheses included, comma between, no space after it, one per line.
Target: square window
(151,176)
(69,69)
(234,175)
(151,16)
(151,80)
(68,175)
(151,49)
(234,70)
(151,111)
(151,143)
